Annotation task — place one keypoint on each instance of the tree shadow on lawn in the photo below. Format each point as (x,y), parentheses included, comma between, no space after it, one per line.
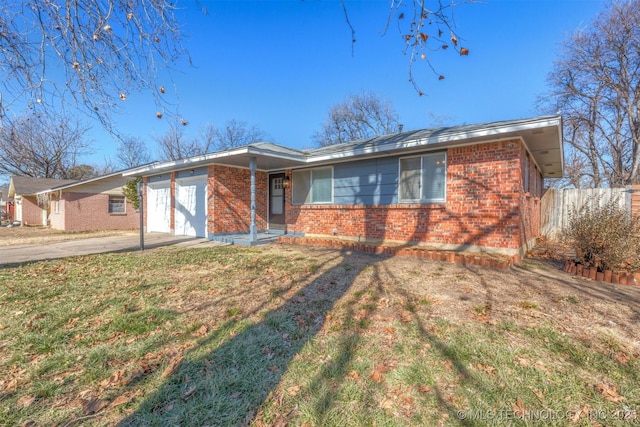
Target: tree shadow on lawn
(225,378)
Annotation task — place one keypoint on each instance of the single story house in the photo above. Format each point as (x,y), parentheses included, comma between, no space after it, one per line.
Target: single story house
(28,210)
(94,204)
(472,187)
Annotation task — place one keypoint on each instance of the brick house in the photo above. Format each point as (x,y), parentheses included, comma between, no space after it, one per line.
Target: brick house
(94,204)
(28,210)
(472,187)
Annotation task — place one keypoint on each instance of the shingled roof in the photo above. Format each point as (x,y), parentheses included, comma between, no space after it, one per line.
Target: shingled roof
(27,186)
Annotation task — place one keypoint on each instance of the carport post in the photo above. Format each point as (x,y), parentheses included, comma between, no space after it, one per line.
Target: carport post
(140,187)
(253,230)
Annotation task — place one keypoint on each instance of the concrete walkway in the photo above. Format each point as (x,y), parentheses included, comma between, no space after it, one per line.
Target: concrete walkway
(18,254)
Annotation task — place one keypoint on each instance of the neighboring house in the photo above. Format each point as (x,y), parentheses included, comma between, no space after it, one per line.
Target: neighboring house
(28,210)
(94,204)
(472,187)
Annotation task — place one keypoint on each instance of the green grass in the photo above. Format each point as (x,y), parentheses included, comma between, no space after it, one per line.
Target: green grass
(233,336)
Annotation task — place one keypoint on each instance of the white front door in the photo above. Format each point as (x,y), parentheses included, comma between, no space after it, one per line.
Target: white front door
(159,207)
(191,207)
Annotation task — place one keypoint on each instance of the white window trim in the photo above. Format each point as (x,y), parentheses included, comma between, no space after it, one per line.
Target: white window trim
(422,200)
(311,186)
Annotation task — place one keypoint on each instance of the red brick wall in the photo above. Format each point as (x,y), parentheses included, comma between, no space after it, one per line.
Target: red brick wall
(635,200)
(90,212)
(229,200)
(483,207)
(31,212)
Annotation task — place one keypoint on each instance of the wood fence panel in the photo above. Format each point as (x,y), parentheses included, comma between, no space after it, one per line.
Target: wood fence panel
(557,203)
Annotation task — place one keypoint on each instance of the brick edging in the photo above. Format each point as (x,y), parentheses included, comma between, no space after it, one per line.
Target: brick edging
(464,258)
(606,276)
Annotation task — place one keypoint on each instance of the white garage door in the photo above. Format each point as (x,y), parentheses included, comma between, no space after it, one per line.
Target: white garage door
(191,207)
(159,207)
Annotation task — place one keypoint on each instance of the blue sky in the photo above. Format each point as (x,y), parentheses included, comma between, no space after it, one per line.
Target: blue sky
(280,65)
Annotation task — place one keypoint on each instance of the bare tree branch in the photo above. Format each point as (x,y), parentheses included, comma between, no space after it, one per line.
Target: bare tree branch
(88,53)
(596,86)
(360,116)
(42,146)
(236,133)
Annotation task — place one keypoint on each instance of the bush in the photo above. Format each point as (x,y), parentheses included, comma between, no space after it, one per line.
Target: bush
(604,236)
(130,191)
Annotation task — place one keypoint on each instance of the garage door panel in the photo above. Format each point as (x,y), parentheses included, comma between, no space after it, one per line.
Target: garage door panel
(159,208)
(191,208)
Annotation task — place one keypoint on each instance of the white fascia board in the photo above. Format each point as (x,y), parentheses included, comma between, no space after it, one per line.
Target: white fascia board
(179,164)
(211,158)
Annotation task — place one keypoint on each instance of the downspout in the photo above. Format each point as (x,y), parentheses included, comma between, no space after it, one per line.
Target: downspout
(253,230)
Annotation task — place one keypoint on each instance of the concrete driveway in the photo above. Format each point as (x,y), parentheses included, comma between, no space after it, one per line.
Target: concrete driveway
(18,254)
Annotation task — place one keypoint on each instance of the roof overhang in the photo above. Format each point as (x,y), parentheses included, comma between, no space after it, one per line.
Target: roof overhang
(542,138)
(267,160)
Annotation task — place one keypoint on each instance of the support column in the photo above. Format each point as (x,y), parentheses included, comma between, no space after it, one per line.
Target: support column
(253,229)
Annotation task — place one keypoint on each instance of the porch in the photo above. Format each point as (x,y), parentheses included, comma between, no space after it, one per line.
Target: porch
(244,239)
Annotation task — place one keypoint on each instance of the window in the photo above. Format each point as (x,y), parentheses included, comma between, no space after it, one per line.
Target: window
(313,186)
(423,178)
(116,204)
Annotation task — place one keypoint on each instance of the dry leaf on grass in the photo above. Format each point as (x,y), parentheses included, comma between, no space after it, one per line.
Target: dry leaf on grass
(609,392)
(377,375)
(293,390)
(202,331)
(518,408)
(93,406)
(538,393)
(116,379)
(173,365)
(26,401)
(121,400)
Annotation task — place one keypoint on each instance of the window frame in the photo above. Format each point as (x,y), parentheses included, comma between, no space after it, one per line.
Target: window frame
(422,199)
(110,205)
(309,190)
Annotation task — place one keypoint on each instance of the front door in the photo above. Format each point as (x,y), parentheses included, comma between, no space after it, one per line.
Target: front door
(276,202)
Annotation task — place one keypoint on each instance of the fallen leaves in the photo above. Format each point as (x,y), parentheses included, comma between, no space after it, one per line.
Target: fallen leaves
(93,406)
(117,379)
(518,408)
(26,401)
(172,366)
(609,392)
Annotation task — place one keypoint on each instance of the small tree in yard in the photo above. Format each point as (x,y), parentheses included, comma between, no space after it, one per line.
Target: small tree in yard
(130,191)
(604,236)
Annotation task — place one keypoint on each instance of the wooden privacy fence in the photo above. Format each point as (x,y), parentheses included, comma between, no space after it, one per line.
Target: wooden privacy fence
(557,203)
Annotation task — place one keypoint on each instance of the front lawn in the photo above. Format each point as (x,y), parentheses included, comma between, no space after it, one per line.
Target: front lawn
(312,336)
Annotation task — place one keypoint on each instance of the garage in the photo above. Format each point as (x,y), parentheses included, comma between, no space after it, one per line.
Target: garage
(191,207)
(159,207)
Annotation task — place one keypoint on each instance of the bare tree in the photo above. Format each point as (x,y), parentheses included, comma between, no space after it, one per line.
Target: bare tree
(596,86)
(425,27)
(105,49)
(360,116)
(132,152)
(42,146)
(236,133)
(176,145)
